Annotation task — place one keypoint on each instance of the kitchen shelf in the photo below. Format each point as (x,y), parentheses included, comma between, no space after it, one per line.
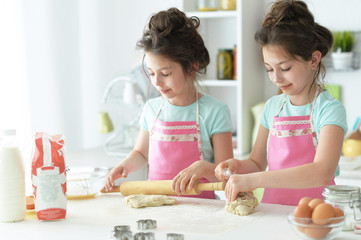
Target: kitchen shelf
(332,70)
(229,29)
(213,14)
(220,83)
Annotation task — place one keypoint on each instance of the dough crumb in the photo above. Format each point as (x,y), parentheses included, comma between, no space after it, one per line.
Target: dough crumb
(138,201)
(244,205)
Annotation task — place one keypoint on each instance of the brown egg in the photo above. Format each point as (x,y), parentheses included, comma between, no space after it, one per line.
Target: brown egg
(305,200)
(314,202)
(338,213)
(301,229)
(317,233)
(303,211)
(322,212)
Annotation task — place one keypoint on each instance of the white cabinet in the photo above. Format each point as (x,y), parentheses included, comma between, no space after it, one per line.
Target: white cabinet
(226,29)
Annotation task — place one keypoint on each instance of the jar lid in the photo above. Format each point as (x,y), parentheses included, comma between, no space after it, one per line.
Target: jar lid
(341,191)
(225,49)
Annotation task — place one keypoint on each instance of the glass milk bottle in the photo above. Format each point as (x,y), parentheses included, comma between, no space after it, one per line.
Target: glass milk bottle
(12,179)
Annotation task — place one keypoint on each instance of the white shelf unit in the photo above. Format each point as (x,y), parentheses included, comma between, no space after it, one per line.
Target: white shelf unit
(226,29)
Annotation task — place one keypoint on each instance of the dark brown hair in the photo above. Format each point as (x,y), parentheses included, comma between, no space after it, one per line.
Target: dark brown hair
(175,36)
(291,25)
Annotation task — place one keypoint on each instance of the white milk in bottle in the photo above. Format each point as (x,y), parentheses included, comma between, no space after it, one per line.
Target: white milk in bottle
(12,179)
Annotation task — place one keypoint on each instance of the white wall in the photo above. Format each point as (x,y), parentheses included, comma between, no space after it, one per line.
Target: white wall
(14,106)
(74,48)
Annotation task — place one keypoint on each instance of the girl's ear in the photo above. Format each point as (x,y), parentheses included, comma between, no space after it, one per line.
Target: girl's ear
(194,68)
(315,59)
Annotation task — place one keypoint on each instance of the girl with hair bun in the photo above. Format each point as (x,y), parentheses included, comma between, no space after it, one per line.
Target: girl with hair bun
(301,131)
(184,134)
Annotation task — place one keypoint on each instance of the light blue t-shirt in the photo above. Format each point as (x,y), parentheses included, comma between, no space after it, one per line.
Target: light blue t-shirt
(214,118)
(327,111)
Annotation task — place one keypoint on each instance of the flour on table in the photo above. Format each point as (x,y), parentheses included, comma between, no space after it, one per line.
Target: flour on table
(243,205)
(138,201)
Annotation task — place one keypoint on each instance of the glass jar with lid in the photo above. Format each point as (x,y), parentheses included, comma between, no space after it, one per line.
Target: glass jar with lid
(228,4)
(348,198)
(224,64)
(208,5)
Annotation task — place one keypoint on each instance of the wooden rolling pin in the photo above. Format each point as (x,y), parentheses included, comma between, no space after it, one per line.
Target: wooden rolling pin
(162,187)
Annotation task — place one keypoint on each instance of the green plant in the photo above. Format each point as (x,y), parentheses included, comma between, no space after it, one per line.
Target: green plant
(343,41)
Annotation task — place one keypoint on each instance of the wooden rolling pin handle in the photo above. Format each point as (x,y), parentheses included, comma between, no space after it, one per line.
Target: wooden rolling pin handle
(162,187)
(213,186)
(147,188)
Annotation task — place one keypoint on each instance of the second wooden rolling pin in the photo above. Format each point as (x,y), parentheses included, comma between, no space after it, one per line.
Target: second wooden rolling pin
(162,187)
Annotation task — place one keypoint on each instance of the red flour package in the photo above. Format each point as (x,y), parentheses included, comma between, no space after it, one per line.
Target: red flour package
(48,177)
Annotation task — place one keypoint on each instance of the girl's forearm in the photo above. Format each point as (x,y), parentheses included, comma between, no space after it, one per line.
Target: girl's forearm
(248,166)
(134,161)
(209,172)
(305,176)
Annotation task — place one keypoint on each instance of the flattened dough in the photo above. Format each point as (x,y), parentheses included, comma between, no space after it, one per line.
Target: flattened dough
(138,201)
(244,205)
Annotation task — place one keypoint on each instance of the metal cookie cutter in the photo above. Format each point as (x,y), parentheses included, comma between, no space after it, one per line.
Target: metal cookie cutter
(121,228)
(175,236)
(145,224)
(126,235)
(122,232)
(144,236)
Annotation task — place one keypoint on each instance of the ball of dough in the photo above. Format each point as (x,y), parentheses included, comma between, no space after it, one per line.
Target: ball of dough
(244,205)
(138,201)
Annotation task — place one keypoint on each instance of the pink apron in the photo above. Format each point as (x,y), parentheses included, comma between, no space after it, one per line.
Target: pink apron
(292,142)
(173,147)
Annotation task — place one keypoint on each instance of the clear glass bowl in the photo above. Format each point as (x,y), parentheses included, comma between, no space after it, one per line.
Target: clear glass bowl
(85,182)
(306,229)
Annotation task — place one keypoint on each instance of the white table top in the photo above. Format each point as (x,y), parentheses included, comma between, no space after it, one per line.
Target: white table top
(94,218)
(195,218)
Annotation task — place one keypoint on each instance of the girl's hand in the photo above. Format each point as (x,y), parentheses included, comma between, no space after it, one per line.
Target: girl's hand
(187,177)
(117,172)
(229,166)
(238,183)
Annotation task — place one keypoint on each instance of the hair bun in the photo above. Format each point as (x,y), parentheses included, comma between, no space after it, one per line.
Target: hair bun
(174,35)
(288,12)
